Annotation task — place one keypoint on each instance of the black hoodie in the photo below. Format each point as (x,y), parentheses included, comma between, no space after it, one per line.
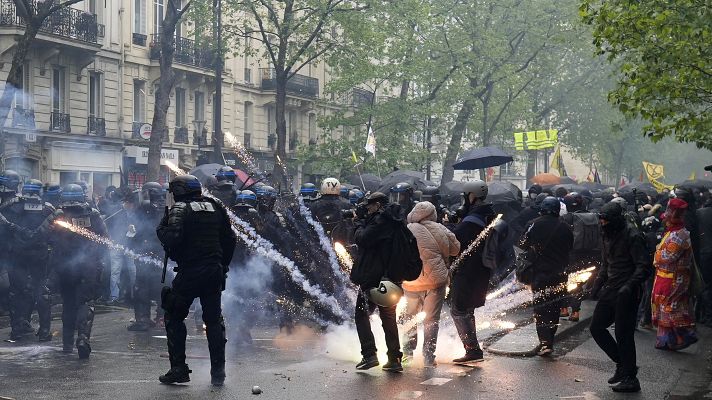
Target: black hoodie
(374,237)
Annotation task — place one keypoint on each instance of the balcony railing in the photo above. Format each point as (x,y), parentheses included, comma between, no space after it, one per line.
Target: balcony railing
(299,85)
(187,52)
(360,97)
(67,22)
(96,126)
(59,122)
(23,118)
(180,135)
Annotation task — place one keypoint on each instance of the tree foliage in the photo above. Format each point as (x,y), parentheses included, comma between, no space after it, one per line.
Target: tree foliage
(662,51)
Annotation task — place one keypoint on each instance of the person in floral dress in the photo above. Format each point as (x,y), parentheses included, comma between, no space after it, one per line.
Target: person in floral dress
(671,291)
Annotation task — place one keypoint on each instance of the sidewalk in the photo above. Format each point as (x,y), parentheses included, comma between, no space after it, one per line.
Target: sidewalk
(523,342)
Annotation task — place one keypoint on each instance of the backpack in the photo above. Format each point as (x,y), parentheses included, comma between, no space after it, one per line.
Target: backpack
(405,263)
(586,230)
(494,253)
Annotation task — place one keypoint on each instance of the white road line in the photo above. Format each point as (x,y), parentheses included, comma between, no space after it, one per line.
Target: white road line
(436,381)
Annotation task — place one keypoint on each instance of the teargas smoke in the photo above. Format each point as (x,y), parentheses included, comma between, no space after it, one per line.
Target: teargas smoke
(109,243)
(324,241)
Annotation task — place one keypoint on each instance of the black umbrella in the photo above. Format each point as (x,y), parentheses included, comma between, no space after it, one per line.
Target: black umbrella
(502,192)
(414,178)
(370,181)
(697,183)
(570,187)
(639,186)
(483,157)
(593,186)
(568,180)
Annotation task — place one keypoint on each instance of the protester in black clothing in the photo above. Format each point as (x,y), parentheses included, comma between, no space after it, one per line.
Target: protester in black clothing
(527,215)
(550,240)
(375,226)
(625,266)
(533,192)
(470,280)
(704,219)
(197,235)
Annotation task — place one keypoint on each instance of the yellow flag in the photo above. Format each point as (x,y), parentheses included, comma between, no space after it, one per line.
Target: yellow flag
(555,161)
(653,171)
(353,155)
(692,176)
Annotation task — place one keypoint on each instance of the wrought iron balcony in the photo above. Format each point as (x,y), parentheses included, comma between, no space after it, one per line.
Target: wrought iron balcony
(360,97)
(300,85)
(180,135)
(96,126)
(67,22)
(187,52)
(59,122)
(23,118)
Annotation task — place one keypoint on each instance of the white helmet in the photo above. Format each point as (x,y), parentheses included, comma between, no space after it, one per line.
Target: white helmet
(331,186)
(387,294)
(477,187)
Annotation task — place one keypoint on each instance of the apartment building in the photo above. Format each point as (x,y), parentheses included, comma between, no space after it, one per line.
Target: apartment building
(86,102)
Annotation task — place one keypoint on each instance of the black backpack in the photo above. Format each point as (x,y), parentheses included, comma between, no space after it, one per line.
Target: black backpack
(586,230)
(405,263)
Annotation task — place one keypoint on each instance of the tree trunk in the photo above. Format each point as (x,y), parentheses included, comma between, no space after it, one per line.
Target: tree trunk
(14,79)
(167,80)
(280,155)
(458,131)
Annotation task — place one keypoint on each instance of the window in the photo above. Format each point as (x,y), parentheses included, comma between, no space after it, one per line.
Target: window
(270,124)
(248,118)
(180,107)
(59,85)
(312,127)
(199,106)
(95,95)
(157,16)
(23,92)
(140,16)
(139,101)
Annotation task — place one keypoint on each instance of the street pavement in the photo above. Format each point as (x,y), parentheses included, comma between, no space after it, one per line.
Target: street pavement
(311,365)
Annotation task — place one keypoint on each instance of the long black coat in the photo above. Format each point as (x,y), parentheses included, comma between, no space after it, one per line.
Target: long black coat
(374,237)
(470,280)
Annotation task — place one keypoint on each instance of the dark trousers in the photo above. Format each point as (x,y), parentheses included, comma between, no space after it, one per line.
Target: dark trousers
(547,306)
(29,290)
(78,289)
(621,310)
(147,287)
(207,287)
(464,319)
(645,313)
(364,309)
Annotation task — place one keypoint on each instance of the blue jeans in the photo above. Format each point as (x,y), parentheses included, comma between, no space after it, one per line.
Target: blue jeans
(118,261)
(431,303)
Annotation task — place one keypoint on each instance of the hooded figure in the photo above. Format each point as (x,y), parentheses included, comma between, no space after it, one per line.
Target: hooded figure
(436,244)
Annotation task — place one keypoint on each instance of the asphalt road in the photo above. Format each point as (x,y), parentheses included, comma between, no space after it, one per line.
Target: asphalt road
(307,365)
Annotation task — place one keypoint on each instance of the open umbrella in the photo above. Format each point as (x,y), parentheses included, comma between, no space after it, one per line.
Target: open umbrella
(566,179)
(570,187)
(645,187)
(593,186)
(697,183)
(414,178)
(502,192)
(483,157)
(370,181)
(545,178)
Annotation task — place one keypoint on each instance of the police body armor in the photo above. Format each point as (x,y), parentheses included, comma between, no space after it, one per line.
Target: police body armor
(201,220)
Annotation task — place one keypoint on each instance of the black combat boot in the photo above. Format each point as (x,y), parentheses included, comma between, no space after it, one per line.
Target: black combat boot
(629,384)
(393,365)
(217,375)
(178,374)
(368,362)
(83,348)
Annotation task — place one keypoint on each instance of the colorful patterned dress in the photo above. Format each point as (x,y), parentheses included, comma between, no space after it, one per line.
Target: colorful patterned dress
(671,296)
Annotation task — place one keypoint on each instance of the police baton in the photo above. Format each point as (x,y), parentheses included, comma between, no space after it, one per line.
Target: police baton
(165,256)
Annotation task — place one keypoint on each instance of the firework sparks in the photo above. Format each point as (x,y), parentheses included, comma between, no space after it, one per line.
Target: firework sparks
(343,255)
(242,153)
(108,243)
(475,243)
(324,242)
(579,277)
(176,170)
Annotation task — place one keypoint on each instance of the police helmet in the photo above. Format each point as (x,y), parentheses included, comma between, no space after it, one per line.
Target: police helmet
(246,198)
(377,197)
(308,191)
(153,191)
(387,294)
(330,186)
(52,191)
(355,196)
(32,189)
(344,192)
(185,186)
(477,187)
(9,181)
(266,195)
(226,174)
(72,195)
(550,206)
(400,193)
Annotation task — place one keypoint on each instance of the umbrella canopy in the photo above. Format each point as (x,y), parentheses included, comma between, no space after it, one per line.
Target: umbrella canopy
(697,183)
(205,171)
(569,187)
(370,181)
(593,186)
(546,178)
(502,192)
(452,188)
(566,179)
(414,178)
(483,157)
(639,186)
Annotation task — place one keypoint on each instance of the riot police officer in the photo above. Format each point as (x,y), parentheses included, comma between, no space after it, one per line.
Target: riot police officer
(142,240)
(308,192)
(51,194)
(9,183)
(402,194)
(28,255)
(78,262)
(224,189)
(197,235)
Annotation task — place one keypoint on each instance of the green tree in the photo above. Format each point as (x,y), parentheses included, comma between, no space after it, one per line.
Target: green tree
(662,51)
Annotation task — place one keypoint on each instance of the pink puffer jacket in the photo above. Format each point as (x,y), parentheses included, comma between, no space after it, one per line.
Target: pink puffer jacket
(435,243)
